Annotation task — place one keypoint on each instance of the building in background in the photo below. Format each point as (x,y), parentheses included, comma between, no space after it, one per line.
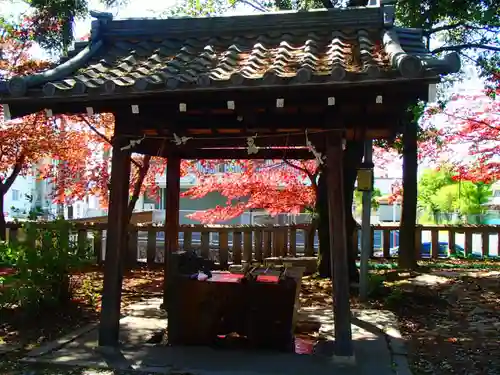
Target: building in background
(387,211)
(31,194)
(188,205)
(18,201)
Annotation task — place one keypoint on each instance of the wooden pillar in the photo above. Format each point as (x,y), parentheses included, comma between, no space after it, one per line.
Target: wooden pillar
(338,247)
(116,238)
(407,237)
(172,197)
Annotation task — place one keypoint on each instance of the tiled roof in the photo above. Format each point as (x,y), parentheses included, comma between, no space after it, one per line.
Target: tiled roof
(321,47)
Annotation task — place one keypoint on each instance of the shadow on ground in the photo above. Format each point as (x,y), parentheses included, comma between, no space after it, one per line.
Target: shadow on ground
(144,320)
(450,320)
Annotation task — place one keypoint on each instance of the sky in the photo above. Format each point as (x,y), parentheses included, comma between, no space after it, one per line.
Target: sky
(152,8)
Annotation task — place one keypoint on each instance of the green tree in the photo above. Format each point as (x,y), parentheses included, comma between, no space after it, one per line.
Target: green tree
(50,23)
(472,200)
(466,198)
(445,202)
(358,199)
(431,181)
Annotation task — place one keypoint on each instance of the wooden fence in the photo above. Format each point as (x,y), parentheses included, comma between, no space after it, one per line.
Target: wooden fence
(234,244)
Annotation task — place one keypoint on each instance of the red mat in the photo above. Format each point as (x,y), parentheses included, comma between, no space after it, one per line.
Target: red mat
(226,277)
(268,279)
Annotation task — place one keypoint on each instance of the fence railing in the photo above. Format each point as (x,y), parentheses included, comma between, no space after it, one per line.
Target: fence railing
(235,244)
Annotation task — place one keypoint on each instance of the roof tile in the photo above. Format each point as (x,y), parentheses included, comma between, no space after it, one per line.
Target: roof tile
(252,57)
(207,53)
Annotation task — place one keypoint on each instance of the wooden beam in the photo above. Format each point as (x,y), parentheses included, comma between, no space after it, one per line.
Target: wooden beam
(116,237)
(269,121)
(249,100)
(391,90)
(338,247)
(268,139)
(226,153)
(172,203)
(251,121)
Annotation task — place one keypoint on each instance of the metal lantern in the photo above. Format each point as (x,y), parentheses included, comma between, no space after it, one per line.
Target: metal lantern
(365,177)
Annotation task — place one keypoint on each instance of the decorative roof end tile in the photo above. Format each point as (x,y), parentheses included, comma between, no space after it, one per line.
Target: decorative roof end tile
(101,19)
(372,71)
(17,86)
(409,66)
(304,75)
(49,89)
(338,73)
(203,80)
(448,64)
(454,62)
(3,87)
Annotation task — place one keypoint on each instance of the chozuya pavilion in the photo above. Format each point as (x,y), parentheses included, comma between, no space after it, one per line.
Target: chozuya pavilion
(212,87)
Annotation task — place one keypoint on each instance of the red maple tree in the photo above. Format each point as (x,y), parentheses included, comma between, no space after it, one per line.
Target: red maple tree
(38,144)
(93,177)
(472,133)
(31,144)
(45,147)
(277,186)
(27,141)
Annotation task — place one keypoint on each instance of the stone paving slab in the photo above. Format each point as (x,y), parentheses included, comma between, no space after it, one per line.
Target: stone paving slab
(198,360)
(7,348)
(371,334)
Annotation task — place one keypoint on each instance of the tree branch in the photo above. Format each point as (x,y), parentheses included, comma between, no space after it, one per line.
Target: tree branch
(443,28)
(94,129)
(457,25)
(6,185)
(472,120)
(253,5)
(103,137)
(312,176)
(460,47)
(302,169)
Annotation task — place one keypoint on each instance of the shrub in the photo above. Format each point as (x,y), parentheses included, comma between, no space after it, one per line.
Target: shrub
(43,260)
(375,284)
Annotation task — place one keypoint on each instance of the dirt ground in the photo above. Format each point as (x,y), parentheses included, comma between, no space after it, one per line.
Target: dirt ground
(452,322)
(447,316)
(18,329)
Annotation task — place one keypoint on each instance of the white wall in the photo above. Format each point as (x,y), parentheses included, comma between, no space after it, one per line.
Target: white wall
(16,202)
(91,207)
(387,212)
(186,181)
(495,194)
(384,184)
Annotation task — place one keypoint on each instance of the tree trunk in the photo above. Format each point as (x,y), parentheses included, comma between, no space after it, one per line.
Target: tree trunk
(4,188)
(407,252)
(353,155)
(143,171)
(3,224)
